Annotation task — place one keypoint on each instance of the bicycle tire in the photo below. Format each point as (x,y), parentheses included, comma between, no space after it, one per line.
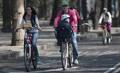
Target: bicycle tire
(104,37)
(108,40)
(27,57)
(64,58)
(70,58)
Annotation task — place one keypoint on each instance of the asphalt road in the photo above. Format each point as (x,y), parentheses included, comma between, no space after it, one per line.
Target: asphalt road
(93,58)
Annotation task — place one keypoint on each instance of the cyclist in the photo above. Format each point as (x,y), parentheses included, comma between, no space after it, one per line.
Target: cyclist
(63,24)
(106,19)
(73,23)
(30,17)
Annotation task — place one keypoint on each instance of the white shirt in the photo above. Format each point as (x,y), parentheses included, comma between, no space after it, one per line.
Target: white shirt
(105,18)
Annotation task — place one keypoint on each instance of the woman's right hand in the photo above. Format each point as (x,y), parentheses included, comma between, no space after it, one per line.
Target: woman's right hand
(40,29)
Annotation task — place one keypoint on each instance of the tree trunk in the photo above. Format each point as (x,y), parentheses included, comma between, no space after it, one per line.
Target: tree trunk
(17,14)
(98,7)
(56,7)
(84,10)
(106,3)
(6,16)
(48,9)
(119,13)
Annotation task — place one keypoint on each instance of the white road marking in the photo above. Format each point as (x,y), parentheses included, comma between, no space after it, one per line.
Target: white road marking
(117,71)
(113,68)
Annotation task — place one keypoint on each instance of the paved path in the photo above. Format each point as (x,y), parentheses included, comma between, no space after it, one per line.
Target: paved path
(93,56)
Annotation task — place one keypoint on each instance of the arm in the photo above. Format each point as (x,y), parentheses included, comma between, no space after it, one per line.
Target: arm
(37,23)
(100,20)
(73,17)
(110,17)
(78,16)
(57,19)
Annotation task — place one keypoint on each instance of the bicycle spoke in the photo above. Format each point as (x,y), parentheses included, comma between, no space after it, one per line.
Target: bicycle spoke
(27,57)
(64,56)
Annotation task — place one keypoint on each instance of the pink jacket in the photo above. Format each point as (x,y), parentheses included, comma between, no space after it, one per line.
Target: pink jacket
(74,17)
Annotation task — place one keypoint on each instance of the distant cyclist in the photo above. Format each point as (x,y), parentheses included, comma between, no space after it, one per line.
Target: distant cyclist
(30,17)
(106,19)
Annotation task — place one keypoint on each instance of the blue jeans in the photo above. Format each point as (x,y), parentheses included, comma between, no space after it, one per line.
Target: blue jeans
(74,45)
(34,42)
(34,33)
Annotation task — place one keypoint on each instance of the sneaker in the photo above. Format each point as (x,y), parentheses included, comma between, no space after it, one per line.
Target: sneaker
(75,62)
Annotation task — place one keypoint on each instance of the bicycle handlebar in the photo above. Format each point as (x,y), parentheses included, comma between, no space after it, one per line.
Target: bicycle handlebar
(23,26)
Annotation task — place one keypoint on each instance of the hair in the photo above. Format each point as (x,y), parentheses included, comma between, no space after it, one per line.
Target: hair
(65,5)
(33,11)
(106,14)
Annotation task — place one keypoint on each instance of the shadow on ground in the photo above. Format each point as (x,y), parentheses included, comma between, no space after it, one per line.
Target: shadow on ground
(88,64)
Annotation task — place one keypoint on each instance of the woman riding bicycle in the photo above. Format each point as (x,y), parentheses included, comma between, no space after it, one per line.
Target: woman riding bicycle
(106,23)
(106,20)
(30,17)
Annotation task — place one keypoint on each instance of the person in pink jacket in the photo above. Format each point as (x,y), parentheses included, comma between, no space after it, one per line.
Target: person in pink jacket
(74,18)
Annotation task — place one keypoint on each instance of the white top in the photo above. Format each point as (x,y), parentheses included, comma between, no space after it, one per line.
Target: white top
(105,18)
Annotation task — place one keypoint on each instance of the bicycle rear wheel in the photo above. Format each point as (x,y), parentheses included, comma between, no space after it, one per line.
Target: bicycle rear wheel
(27,57)
(64,55)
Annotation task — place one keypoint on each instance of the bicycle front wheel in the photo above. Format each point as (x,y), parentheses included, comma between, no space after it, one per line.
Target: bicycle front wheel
(64,55)
(27,57)
(70,58)
(104,39)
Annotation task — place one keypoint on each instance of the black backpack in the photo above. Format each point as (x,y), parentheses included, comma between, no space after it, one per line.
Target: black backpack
(64,30)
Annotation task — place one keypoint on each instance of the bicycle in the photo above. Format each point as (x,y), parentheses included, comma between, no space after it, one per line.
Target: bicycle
(106,36)
(30,55)
(65,48)
(66,55)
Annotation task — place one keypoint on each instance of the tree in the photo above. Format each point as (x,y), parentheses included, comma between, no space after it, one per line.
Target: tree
(98,8)
(84,9)
(6,15)
(17,14)
(43,8)
(56,7)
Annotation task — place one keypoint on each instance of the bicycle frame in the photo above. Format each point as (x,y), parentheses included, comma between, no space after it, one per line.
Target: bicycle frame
(106,35)
(29,52)
(66,55)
